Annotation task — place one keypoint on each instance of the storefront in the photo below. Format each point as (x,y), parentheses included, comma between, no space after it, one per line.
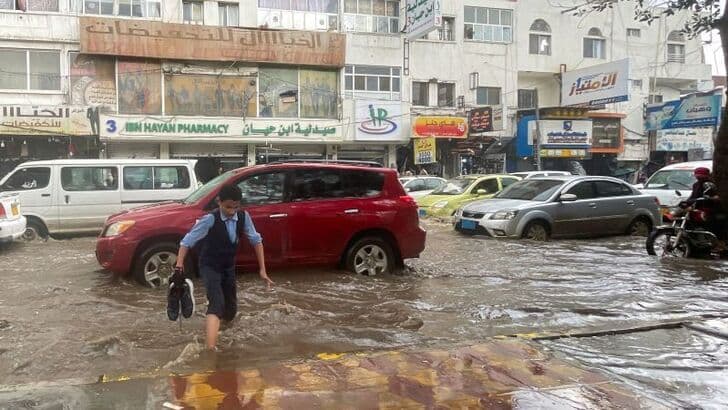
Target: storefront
(445,132)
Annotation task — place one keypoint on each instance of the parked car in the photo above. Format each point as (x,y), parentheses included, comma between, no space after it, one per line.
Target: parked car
(307,213)
(676,177)
(12,222)
(540,208)
(535,174)
(421,185)
(77,195)
(444,201)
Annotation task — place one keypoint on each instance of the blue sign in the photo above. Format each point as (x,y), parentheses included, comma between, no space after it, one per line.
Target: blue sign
(694,110)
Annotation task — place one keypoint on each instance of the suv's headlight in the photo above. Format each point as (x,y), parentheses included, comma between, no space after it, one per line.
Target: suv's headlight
(504,215)
(439,204)
(117,228)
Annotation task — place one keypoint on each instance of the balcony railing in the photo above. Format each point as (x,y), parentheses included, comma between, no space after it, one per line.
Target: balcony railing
(676,58)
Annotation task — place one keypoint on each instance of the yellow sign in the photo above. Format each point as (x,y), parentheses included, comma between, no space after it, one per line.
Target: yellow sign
(563,153)
(424,150)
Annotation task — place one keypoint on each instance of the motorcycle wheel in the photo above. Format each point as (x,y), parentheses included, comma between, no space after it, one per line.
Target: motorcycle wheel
(658,241)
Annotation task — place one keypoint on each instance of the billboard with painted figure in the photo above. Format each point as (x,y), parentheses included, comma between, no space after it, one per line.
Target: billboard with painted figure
(140,88)
(210,95)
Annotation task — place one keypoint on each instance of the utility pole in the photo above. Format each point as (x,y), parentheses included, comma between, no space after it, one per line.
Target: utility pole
(537,140)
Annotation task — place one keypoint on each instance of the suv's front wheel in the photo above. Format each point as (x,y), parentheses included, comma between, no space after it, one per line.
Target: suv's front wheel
(156,263)
(370,256)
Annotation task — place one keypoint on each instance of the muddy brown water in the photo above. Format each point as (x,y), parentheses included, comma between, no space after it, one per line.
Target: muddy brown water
(62,318)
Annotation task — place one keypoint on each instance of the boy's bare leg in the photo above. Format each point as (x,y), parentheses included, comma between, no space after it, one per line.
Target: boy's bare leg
(212,325)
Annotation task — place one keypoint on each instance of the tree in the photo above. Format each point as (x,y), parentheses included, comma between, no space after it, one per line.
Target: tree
(704,16)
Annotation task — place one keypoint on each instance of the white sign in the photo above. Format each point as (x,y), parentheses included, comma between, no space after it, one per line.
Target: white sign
(562,133)
(596,85)
(48,120)
(115,126)
(422,17)
(685,139)
(378,120)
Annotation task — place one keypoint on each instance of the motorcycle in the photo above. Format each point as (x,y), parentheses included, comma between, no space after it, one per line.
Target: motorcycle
(685,237)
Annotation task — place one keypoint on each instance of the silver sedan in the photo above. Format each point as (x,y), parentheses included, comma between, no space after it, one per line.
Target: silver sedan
(576,206)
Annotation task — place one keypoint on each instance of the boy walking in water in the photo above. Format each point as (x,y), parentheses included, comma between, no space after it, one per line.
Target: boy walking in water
(219,232)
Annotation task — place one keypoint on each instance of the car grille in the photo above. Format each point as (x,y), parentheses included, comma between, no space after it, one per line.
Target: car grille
(474,215)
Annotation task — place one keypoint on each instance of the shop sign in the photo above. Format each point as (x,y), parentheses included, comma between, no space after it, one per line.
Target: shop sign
(563,153)
(425,150)
(685,139)
(48,120)
(485,119)
(378,120)
(596,85)
(606,133)
(155,39)
(181,127)
(562,132)
(422,16)
(695,110)
(440,127)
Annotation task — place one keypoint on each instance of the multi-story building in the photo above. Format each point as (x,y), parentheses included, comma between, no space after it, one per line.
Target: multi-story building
(315,78)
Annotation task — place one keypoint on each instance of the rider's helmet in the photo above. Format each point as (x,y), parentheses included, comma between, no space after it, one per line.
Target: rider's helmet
(701,173)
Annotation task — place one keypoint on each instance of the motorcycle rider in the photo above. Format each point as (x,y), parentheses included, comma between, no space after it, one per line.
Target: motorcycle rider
(705,188)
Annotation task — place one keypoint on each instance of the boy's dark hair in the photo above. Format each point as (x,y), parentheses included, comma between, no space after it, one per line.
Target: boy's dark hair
(230,192)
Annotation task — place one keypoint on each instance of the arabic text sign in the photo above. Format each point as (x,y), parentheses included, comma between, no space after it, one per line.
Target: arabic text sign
(422,16)
(562,132)
(39,120)
(481,120)
(185,127)
(685,139)
(597,85)
(440,127)
(425,150)
(695,110)
(155,39)
(378,120)
(563,153)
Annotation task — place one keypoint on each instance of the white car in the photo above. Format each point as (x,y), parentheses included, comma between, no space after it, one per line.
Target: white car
(12,222)
(421,185)
(534,174)
(676,177)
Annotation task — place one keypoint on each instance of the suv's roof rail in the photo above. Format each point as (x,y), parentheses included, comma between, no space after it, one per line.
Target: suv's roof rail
(328,161)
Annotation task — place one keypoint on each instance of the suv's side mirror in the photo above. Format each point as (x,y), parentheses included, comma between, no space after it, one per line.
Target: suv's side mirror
(567,198)
(481,192)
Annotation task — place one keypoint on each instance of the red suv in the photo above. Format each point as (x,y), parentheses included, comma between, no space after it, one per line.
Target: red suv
(351,216)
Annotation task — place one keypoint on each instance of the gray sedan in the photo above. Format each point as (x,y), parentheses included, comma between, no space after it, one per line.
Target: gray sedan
(574,206)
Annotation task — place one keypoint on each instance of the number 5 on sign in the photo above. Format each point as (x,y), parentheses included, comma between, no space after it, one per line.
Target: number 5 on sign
(424,150)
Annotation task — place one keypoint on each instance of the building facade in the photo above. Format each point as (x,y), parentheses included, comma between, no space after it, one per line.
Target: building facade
(244,82)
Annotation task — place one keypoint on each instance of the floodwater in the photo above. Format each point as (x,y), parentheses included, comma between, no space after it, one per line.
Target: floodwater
(64,319)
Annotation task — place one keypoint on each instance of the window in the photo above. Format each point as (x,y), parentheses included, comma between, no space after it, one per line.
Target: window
(654,99)
(299,14)
(445,95)
(305,93)
(379,82)
(583,190)
(432,183)
(89,179)
(416,185)
(606,189)
(373,16)
(539,40)
(634,33)
(27,178)
(420,94)
(30,70)
(263,188)
(139,8)
(487,96)
(311,184)
(595,46)
(30,5)
(192,12)
(671,180)
(126,8)
(228,14)
(506,182)
(489,25)
(526,98)
(489,185)
(446,32)
(636,84)
(676,47)
(170,177)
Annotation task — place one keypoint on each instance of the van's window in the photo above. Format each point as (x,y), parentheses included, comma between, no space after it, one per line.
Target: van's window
(158,177)
(89,178)
(263,188)
(138,178)
(672,179)
(27,179)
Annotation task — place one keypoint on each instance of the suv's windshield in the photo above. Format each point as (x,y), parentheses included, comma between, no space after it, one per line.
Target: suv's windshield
(454,186)
(671,179)
(531,190)
(202,191)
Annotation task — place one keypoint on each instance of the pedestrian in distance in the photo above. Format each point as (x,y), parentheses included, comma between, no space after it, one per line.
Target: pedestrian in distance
(218,233)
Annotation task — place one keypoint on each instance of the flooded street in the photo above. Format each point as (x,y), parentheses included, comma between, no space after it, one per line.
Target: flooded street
(62,318)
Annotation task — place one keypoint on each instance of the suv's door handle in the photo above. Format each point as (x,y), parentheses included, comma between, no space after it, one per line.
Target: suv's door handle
(45,195)
(68,198)
(592,205)
(278,216)
(630,202)
(351,211)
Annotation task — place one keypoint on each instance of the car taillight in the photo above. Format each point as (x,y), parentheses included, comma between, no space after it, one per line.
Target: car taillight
(408,200)
(2,212)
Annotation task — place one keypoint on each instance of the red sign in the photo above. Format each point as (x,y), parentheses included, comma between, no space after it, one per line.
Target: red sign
(440,127)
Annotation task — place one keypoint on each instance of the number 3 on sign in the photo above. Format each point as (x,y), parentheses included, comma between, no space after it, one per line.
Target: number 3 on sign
(110,126)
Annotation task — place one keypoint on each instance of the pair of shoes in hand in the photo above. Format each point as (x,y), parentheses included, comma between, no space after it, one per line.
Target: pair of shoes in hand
(180,296)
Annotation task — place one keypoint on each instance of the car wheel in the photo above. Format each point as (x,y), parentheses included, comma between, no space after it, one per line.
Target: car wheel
(639,227)
(35,230)
(370,256)
(536,231)
(156,264)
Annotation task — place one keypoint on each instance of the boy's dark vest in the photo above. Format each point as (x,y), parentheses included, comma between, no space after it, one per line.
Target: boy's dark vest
(216,250)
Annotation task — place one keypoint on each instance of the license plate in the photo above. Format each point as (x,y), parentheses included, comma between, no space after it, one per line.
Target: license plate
(422,212)
(14,209)
(465,224)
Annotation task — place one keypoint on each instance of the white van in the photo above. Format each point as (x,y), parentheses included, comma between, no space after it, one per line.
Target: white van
(77,195)
(675,177)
